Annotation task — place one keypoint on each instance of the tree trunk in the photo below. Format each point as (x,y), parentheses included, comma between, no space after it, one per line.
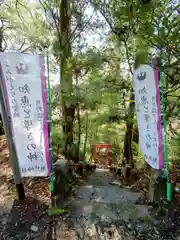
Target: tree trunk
(1,49)
(135,134)
(129,132)
(68,102)
(86,138)
(79,134)
(78,122)
(68,122)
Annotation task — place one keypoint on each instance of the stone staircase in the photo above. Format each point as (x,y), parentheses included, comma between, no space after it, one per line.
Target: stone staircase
(98,203)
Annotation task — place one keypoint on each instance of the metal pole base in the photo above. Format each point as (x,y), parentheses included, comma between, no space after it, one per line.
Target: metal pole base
(20,191)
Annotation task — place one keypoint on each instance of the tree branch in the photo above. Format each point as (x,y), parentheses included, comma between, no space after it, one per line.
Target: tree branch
(128,58)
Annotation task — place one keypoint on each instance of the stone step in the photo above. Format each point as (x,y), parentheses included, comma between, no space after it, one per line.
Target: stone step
(91,210)
(108,194)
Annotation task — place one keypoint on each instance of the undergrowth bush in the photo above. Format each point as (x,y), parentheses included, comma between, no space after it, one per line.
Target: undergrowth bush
(57,139)
(174,149)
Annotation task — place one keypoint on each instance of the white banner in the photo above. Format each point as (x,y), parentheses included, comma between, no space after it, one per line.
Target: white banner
(148,110)
(24,83)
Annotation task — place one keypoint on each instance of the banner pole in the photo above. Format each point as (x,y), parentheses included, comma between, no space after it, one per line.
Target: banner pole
(169,191)
(10,143)
(50,133)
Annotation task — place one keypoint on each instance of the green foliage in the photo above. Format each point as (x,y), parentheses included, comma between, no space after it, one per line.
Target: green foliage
(174,149)
(52,212)
(25,29)
(57,138)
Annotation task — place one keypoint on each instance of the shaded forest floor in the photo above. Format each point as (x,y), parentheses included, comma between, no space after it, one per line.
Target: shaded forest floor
(98,209)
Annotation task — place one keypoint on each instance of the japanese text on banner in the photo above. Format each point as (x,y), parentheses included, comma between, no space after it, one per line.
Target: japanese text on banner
(148,115)
(25,88)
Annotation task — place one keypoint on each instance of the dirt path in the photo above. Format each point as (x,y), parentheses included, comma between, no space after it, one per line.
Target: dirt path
(98,211)
(103,211)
